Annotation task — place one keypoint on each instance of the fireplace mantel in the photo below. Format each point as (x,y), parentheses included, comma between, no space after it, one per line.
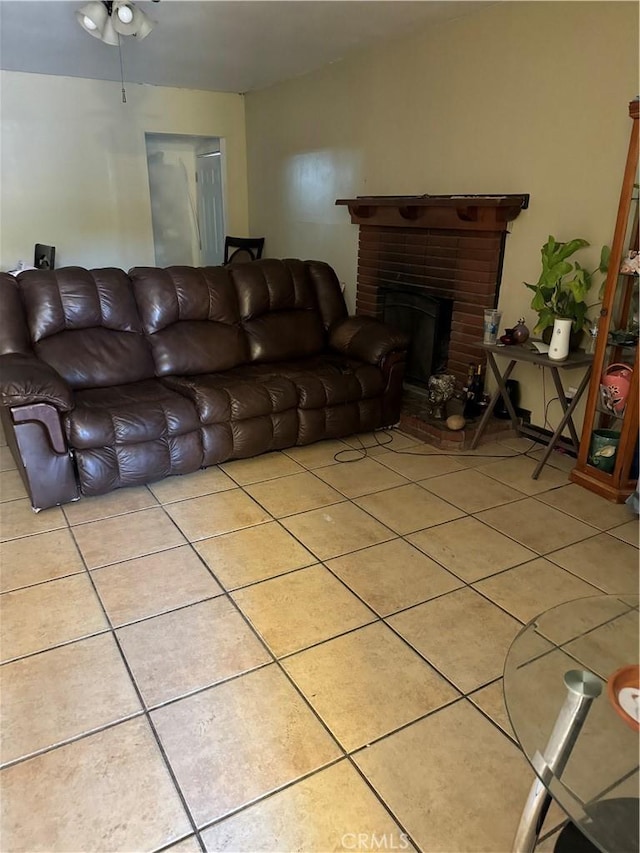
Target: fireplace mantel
(461,212)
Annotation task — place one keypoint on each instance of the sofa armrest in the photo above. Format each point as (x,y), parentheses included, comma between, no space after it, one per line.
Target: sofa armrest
(367,339)
(25,380)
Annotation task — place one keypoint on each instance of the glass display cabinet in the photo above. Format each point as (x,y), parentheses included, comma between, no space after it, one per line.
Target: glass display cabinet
(608,458)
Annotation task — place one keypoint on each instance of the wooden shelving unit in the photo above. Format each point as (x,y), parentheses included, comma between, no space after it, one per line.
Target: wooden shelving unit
(619,315)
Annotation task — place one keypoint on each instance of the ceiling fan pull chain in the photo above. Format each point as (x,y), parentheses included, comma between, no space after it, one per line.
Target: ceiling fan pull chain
(124,94)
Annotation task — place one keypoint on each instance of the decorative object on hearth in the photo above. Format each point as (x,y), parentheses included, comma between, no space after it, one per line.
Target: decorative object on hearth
(474,391)
(441,387)
(520,332)
(560,339)
(455,422)
(563,286)
(615,385)
(111,19)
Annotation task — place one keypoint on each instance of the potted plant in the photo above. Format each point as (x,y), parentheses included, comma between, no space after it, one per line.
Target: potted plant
(563,286)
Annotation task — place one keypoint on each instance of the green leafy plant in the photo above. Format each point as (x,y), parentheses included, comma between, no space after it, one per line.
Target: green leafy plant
(563,286)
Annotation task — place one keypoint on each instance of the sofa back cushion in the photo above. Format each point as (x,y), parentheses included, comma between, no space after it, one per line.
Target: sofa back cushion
(191,318)
(279,310)
(84,323)
(14,334)
(328,292)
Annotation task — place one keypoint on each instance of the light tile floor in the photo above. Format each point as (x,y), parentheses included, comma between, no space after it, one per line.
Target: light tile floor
(287,652)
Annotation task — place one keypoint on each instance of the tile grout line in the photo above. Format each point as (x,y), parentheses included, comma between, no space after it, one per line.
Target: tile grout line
(302,696)
(276,660)
(145,713)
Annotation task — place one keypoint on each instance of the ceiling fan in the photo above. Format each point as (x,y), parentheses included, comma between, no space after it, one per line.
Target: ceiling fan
(107,20)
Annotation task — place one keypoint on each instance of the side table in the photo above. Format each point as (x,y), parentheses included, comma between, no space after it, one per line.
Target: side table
(522,352)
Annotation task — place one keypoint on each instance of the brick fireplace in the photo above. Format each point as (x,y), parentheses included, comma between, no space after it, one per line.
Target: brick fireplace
(448,248)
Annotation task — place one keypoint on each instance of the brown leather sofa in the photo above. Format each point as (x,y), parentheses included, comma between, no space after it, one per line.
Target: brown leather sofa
(111,379)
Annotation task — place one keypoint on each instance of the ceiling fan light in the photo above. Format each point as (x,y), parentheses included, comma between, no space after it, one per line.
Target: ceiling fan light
(109,33)
(92,17)
(124,13)
(136,20)
(108,21)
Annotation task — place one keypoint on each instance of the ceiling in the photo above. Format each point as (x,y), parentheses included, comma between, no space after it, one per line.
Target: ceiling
(220,45)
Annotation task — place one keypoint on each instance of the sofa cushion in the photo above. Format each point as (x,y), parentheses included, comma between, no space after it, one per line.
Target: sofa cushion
(224,397)
(132,434)
(338,421)
(14,334)
(322,380)
(127,414)
(191,318)
(328,292)
(241,417)
(279,310)
(85,324)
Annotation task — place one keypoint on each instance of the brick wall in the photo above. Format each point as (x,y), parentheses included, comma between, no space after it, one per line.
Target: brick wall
(462,265)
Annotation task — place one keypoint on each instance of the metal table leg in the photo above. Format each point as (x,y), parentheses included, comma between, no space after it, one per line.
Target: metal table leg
(566,419)
(501,379)
(582,688)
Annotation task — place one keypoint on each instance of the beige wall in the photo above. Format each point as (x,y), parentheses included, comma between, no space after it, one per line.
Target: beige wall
(517,97)
(74,169)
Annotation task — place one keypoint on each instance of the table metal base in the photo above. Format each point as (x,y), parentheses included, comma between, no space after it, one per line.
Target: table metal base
(618,811)
(582,688)
(568,407)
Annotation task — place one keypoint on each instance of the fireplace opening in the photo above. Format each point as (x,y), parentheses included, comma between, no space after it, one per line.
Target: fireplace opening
(426,320)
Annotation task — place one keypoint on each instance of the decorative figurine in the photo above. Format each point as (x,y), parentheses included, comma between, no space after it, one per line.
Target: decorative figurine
(441,387)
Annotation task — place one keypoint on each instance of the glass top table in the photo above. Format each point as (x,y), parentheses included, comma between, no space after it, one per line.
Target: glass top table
(586,758)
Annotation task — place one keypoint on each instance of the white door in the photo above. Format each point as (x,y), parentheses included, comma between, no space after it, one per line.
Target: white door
(209,205)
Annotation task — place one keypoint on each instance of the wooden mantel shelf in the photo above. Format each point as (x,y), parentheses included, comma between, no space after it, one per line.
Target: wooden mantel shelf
(472,212)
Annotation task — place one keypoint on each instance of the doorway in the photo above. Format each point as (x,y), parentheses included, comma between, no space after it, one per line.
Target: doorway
(186,195)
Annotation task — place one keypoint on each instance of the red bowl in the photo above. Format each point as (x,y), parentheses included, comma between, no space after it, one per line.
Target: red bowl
(626,676)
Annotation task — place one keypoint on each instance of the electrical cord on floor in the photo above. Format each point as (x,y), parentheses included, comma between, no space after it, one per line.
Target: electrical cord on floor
(362,452)
(546,425)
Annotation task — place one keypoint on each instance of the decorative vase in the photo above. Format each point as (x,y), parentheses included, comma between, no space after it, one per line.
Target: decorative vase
(615,385)
(560,339)
(520,332)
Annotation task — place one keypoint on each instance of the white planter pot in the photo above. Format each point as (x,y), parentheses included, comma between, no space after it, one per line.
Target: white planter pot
(559,346)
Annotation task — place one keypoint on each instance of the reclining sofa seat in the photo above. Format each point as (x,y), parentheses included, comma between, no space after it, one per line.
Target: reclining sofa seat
(127,379)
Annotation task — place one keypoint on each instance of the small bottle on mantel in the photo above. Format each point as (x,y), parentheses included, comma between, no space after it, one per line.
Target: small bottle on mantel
(475,390)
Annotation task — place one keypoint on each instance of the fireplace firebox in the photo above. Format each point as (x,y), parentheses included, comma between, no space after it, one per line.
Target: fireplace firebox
(426,320)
